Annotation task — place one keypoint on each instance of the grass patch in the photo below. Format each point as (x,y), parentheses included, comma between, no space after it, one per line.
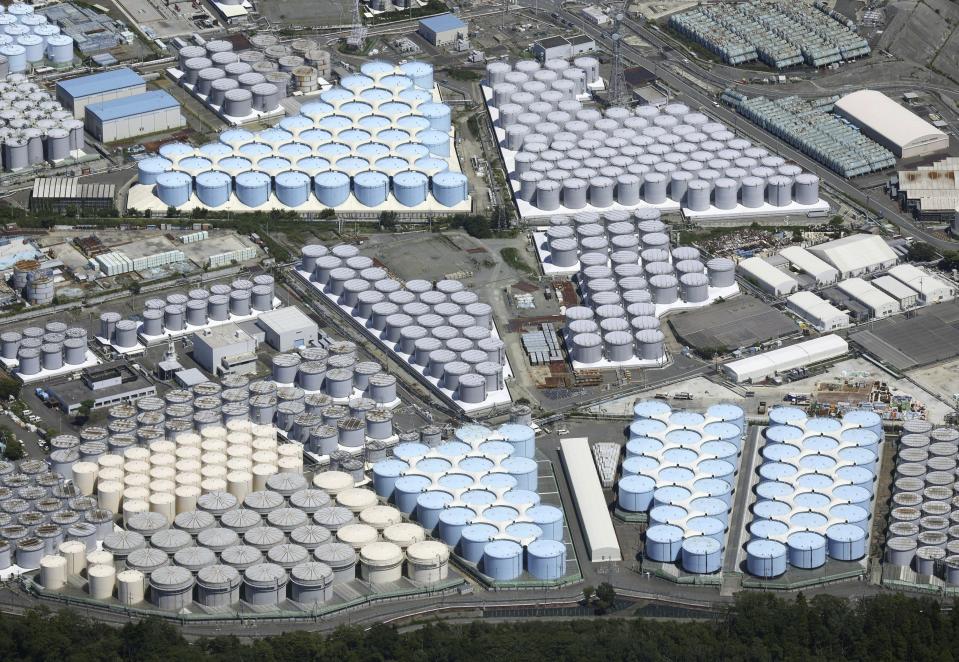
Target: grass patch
(514,258)
(464,74)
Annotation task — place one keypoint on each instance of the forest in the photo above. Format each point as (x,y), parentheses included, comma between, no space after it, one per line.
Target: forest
(758,627)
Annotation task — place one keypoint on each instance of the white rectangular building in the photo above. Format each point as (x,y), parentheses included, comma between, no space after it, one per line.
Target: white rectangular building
(133,116)
(931,289)
(878,302)
(856,254)
(761,366)
(904,295)
(598,531)
(804,261)
(769,278)
(821,314)
(899,129)
(77,93)
(288,328)
(238,255)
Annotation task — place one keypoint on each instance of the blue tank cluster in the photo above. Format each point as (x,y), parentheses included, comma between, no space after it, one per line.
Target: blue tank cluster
(379,140)
(478,493)
(680,469)
(815,494)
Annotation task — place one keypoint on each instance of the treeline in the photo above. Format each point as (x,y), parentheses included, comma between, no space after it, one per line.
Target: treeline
(760,627)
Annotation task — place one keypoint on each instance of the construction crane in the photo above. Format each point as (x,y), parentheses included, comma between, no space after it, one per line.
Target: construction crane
(357,30)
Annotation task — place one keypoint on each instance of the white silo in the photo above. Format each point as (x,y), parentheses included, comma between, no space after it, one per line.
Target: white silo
(725,193)
(618,346)
(722,272)
(587,348)
(601,190)
(779,190)
(654,188)
(695,287)
(650,344)
(548,194)
(752,191)
(663,289)
(806,188)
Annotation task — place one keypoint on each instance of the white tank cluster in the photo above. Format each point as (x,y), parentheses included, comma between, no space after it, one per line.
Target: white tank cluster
(628,274)
(680,469)
(565,156)
(815,493)
(924,521)
(182,313)
(442,329)
(478,493)
(378,138)
(34,127)
(44,350)
(39,511)
(28,39)
(237,84)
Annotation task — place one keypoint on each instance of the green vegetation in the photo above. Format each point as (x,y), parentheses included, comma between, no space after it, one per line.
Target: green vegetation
(885,628)
(514,258)
(9,387)
(920,251)
(949,261)
(13,449)
(464,74)
(475,226)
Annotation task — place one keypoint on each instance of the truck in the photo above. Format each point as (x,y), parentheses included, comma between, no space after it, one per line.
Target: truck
(762,407)
(683,395)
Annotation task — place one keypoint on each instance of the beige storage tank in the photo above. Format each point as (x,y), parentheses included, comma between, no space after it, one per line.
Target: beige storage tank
(290,465)
(130,587)
(333,482)
(109,494)
(381,562)
(427,562)
(213,485)
(239,484)
(110,461)
(110,474)
(194,479)
(136,454)
(53,572)
(380,517)
(357,535)
(100,581)
(163,503)
(262,472)
(185,498)
(134,506)
(99,557)
(188,440)
(357,499)
(75,554)
(85,477)
(136,467)
(161,446)
(404,534)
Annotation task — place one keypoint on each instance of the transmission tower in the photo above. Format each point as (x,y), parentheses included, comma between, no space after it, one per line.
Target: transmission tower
(618,92)
(358,30)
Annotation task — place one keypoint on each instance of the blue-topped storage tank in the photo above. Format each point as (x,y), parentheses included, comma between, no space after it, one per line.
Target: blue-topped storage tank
(546,559)
(709,527)
(332,98)
(728,413)
(524,532)
(524,470)
(452,521)
(213,188)
(273,165)
(710,507)
(335,124)
(354,83)
(355,110)
(806,550)
(235,137)
(654,409)
(377,69)
(414,124)
(719,450)
(315,138)
(312,165)
(477,498)
(174,188)
(455,482)
(421,73)
(353,137)
(498,481)
(436,141)
(294,151)
(477,465)
(521,437)
(234,165)
(316,110)
(406,490)
(431,165)
(783,415)
(394,83)
(331,188)
(702,555)
(521,499)
(845,542)
(412,152)
(502,560)
(433,466)
(767,529)
(428,507)
(449,188)
(372,151)
(149,169)
(864,418)
(393,137)
(410,451)
(371,188)
(252,188)
(415,96)
(473,540)
(215,151)
(667,514)
(194,165)
(645,427)
(375,96)
(454,449)
(766,558)
(860,437)
(351,165)
(854,494)
(385,474)
(292,188)
(390,165)
(851,514)
(663,543)
(549,519)
(295,124)
(500,514)
(439,115)
(255,151)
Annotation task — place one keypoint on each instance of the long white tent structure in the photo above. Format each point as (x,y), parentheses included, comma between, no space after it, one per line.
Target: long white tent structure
(590,503)
(760,366)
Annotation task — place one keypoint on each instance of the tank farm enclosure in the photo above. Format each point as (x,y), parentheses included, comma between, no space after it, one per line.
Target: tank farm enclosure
(380,140)
(563,155)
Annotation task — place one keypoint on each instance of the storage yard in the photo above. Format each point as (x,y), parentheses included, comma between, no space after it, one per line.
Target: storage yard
(313,319)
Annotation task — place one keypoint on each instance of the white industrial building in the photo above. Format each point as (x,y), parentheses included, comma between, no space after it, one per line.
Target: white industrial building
(443,30)
(225,349)
(904,295)
(878,302)
(288,328)
(133,116)
(822,315)
(775,281)
(77,93)
(598,531)
(931,289)
(761,366)
(900,130)
(856,254)
(804,261)
(238,255)
(562,48)
(117,262)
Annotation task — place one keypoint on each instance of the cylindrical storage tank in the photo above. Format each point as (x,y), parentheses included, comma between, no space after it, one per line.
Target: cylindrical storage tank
(766,558)
(721,272)
(213,188)
(695,287)
(171,588)
(752,192)
(252,188)
(100,581)
(292,188)
(238,102)
(806,189)
(264,584)
(449,188)
(174,188)
(779,190)
(502,560)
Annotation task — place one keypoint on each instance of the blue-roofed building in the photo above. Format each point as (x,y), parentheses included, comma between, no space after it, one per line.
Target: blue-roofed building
(128,117)
(77,93)
(443,30)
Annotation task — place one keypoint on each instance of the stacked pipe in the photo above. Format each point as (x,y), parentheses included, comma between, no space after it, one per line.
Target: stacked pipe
(51,348)
(924,521)
(628,275)
(569,156)
(379,137)
(443,329)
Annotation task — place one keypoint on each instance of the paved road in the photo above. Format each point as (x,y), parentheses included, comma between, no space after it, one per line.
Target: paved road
(739,510)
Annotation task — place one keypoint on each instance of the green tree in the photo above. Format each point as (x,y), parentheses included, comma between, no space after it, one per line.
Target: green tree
(388,220)
(920,251)
(588,592)
(949,261)
(605,597)
(84,410)
(13,448)
(9,388)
